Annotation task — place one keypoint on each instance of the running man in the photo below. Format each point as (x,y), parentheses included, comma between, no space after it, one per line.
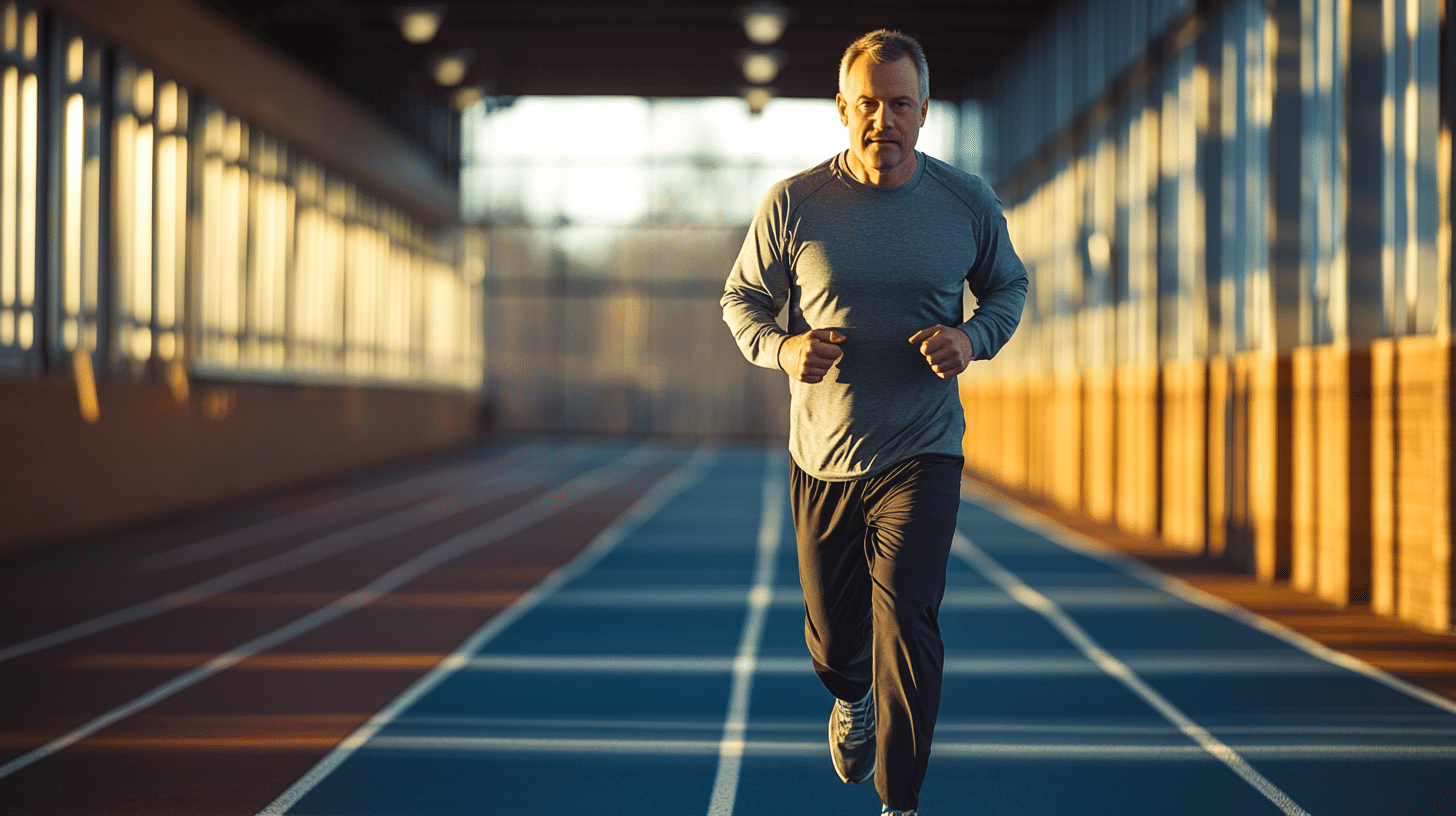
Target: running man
(871,252)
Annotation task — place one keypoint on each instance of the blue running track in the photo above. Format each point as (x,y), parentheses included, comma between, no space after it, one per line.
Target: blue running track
(664,672)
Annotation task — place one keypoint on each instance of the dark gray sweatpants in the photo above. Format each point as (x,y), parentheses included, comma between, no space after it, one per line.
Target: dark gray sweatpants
(872,560)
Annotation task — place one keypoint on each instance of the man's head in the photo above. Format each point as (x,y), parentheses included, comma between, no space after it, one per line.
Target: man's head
(884,47)
(884,93)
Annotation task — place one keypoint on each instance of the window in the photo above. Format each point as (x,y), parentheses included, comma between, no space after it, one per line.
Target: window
(19,138)
(149,225)
(304,275)
(77,251)
(220,276)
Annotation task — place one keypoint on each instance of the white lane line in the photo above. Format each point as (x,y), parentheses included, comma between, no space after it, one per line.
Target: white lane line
(333,544)
(652,502)
(1026,751)
(307,519)
(1022,731)
(760,597)
(1091,548)
(607,664)
(313,552)
(1119,671)
(542,507)
(654,597)
(1041,665)
(788,596)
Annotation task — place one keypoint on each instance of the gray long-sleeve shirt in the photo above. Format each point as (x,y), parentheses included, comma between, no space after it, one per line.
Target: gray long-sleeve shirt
(879,265)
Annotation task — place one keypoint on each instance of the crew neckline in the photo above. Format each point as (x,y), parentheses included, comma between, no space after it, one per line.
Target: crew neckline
(841,168)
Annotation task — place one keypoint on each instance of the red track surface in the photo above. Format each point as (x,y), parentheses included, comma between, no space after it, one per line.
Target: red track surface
(233,741)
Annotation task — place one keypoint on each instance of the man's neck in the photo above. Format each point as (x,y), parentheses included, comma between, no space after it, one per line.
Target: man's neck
(894,177)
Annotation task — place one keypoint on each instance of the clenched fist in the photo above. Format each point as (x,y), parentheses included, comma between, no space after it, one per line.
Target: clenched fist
(807,357)
(946,348)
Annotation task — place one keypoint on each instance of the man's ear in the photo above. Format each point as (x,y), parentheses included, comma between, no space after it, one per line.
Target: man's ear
(843,109)
(924,110)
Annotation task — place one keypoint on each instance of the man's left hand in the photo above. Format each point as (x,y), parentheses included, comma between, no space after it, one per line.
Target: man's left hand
(947,349)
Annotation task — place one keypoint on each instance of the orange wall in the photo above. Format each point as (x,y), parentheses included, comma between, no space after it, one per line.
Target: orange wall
(1329,468)
(151,454)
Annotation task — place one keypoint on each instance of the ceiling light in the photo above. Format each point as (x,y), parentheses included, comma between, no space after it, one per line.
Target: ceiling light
(419,24)
(757,98)
(764,22)
(450,70)
(761,66)
(467,96)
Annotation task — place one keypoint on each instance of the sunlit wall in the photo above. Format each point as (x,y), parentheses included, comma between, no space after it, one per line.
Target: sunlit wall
(612,224)
(1236,218)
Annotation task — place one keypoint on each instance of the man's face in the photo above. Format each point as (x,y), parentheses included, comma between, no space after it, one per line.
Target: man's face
(882,108)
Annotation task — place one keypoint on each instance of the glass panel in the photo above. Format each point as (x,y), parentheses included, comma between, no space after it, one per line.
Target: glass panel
(1412,189)
(78,276)
(18,185)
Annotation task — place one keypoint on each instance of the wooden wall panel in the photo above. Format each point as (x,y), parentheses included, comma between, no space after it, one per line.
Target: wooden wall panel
(1138,436)
(1099,433)
(1305,475)
(1423,482)
(1240,534)
(1015,418)
(1217,451)
(1038,402)
(1185,408)
(1332,415)
(1383,477)
(1342,429)
(1065,456)
(1261,496)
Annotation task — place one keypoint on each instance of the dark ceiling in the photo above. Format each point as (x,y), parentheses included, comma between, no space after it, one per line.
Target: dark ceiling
(656,48)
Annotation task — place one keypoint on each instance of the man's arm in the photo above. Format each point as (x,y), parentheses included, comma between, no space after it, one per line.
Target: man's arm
(998,280)
(757,291)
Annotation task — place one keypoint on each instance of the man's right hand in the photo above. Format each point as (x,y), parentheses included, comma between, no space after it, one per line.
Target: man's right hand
(807,357)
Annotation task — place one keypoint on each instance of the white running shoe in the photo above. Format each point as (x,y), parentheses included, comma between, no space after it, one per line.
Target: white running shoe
(852,738)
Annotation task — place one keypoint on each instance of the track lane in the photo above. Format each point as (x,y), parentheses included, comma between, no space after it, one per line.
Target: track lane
(519,473)
(425,603)
(45,593)
(434,556)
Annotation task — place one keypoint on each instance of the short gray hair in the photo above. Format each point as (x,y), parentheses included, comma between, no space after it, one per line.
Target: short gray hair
(883,47)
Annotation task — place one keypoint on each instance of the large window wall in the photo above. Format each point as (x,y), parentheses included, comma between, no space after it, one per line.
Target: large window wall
(1237,220)
(146,230)
(302,274)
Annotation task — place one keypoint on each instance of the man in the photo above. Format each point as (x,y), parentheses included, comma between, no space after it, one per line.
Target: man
(871,251)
